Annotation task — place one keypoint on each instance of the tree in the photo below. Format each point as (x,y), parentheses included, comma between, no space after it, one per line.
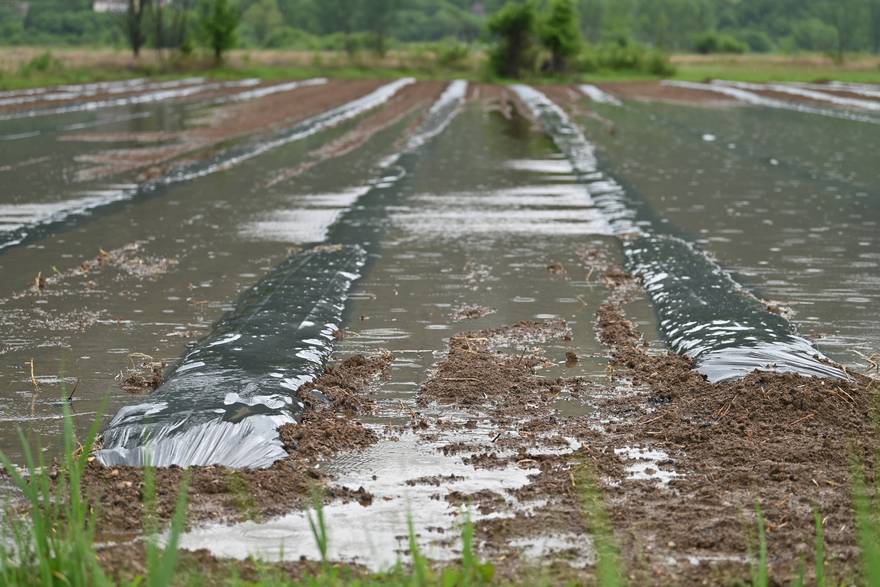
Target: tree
(134,23)
(561,33)
(513,29)
(262,19)
(378,15)
(218,22)
(874,23)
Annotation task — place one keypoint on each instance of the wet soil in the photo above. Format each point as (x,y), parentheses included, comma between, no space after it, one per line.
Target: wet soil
(404,103)
(226,123)
(127,563)
(782,440)
(656,91)
(218,493)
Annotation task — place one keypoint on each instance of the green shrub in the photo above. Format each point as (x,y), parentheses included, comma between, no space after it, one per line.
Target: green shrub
(453,55)
(513,28)
(624,55)
(50,539)
(714,42)
(756,41)
(42,63)
(561,33)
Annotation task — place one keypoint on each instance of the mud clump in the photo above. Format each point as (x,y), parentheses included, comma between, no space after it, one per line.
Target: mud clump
(473,374)
(143,375)
(471,313)
(521,430)
(222,494)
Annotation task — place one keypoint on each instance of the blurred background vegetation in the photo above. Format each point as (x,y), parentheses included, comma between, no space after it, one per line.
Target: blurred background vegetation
(514,38)
(672,25)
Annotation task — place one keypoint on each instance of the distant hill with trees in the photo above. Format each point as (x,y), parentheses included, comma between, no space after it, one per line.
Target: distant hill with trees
(828,26)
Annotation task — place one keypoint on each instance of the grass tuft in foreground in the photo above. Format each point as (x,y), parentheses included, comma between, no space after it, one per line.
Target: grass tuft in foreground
(49,540)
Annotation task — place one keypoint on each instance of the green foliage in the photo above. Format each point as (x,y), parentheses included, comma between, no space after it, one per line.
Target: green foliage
(218,24)
(453,55)
(513,29)
(820,550)
(868,524)
(560,32)
(262,22)
(671,25)
(813,34)
(378,16)
(756,41)
(609,568)
(714,42)
(760,564)
(54,543)
(41,64)
(624,56)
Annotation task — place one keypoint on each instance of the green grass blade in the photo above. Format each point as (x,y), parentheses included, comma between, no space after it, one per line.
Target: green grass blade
(760,568)
(820,550)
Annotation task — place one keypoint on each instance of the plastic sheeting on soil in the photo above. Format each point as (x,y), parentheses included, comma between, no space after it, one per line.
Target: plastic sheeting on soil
(703,312)
(223,402)
(749,97)
(28,225)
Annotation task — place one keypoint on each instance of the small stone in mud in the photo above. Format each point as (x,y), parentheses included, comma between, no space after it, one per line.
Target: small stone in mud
(556,268)
(571,359)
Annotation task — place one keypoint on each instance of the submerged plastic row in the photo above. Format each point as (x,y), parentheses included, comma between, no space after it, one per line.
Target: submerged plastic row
(703,313)
(142,98)
(28,221)
(748,96)
(224,401)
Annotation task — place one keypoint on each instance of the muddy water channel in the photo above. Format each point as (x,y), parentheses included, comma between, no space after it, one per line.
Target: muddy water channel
(438,300)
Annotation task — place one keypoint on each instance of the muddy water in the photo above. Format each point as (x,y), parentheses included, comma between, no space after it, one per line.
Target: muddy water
(787,201)
(184,254)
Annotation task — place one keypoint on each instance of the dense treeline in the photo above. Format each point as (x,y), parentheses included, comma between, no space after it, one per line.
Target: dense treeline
(830,26)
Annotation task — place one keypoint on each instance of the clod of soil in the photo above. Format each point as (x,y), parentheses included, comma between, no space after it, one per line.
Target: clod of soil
(144,375)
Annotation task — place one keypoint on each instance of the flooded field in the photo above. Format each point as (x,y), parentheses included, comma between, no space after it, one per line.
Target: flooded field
(445,299)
